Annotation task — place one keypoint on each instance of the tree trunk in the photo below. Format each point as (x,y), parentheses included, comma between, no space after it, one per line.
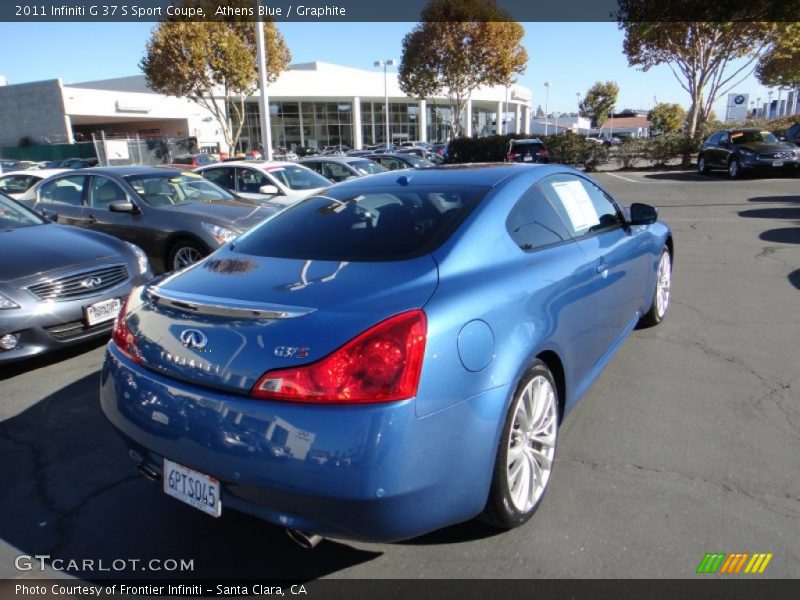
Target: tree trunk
(691,130)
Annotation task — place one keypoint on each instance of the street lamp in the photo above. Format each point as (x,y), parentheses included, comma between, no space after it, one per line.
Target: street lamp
(769,104)
(389,62)
(546,99)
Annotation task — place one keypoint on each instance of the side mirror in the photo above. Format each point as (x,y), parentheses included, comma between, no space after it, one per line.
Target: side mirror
(643,214)
(122,206)
(269,190)
(50,215)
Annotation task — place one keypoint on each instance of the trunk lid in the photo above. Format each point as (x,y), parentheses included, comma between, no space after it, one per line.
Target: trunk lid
(230,318)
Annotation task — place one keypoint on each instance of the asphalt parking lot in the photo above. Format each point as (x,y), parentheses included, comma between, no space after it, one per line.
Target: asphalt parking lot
(689,442)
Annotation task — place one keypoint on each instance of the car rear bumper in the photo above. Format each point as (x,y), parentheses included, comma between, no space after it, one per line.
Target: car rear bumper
(370,472)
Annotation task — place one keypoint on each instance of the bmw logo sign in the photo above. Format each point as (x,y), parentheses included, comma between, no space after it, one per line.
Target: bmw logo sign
(739,99)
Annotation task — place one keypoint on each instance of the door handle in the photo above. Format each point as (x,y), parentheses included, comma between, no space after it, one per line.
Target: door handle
(602,268)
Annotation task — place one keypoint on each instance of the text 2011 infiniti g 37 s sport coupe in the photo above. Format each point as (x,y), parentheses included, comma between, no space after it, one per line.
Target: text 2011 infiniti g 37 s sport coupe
(390,357)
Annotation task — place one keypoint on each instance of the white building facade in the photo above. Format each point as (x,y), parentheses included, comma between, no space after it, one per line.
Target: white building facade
(311,104)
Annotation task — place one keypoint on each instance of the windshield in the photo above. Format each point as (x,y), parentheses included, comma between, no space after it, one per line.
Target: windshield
(176,188)
(417,162)
(367,167)
(296,177)
(16,216)
(749,137)
(378,224)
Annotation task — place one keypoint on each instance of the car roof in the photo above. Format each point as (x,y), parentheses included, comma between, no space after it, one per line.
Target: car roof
(43,173)
(527,141)
(261,164)
(126,171)
(329,158)
(482,174)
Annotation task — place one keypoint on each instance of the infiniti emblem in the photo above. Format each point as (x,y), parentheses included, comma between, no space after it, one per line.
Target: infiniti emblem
(192,338)
(91,282)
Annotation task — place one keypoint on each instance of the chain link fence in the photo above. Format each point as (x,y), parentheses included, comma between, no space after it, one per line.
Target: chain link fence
(123,149)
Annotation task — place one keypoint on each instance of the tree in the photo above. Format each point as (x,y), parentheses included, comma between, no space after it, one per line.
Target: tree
(539,112)
(780,64)
(599,101)
(213,63)
(458,46)
(708,57)
(667,118)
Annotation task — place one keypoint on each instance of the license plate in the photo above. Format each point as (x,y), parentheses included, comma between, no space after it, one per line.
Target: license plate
(777,163)
(528,158)
(194,488)
(102,311)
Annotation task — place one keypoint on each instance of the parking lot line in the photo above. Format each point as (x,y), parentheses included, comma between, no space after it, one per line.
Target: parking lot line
(623,178)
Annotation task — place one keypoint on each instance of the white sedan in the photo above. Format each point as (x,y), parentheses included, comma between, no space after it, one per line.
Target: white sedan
(16,183)
(275,182)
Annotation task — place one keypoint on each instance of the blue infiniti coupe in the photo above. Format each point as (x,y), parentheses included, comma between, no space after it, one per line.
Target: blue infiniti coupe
(390,356)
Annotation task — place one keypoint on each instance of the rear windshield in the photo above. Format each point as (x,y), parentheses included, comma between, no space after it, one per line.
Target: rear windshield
(367,167)
(527,146)
(368,224)
(296,177)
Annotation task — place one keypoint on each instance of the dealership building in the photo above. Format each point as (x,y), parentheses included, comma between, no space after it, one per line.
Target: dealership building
(310,104)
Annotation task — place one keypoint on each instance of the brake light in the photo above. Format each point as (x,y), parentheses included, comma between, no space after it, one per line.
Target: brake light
(123,337)
(382,364)
(542,154)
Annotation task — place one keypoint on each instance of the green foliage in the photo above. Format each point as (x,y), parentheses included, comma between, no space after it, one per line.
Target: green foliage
(667,118)
(631,152)
(706,56)
(568,149)
(780,65)
(207,60)
(458,46)
(599,101)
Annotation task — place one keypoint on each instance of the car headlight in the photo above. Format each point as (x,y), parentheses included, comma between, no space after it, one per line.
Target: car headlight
(223,235)
(141,259)
(6,302)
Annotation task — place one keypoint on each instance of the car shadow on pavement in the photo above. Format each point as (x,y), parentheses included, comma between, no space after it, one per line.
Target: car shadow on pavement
(774,199)
(455,534)
(686,176)
(37,362)
(794,278)
(71,492)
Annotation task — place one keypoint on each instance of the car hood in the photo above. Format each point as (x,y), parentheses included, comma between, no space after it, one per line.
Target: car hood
(40,249)
(312,307)
(763,147)
(240,215)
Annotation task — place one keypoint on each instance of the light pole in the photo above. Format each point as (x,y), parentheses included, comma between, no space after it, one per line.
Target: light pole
(769,104)
(758,107)
(263,100)
(546,99)
(389,62)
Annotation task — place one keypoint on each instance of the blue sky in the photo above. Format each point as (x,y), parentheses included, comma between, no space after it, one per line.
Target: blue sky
(572,56)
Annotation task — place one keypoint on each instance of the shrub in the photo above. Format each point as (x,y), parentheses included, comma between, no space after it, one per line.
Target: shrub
(632,151)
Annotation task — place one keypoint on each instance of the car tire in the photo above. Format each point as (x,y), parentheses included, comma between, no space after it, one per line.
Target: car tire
(702,166)
(661,294)
(734,168)
(184,253)
(526,451)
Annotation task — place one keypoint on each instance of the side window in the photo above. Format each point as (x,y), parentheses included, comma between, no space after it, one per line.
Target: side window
(336,172)
(103,192)
(222,176)
(724,138)
(66,190)
(15,184)
(392,163)
(533,223)
(250,181)
(314,166)
(713,140)
(582,206)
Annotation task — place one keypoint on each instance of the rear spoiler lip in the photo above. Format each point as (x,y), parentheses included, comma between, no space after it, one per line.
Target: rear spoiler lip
(227,307)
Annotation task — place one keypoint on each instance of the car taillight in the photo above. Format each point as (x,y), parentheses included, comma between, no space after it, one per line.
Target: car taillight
(542,154)
(123,337)
(512,155)
(383,364)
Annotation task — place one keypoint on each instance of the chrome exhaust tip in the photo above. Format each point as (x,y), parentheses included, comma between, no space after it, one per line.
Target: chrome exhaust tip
(307,541)
(149,473)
